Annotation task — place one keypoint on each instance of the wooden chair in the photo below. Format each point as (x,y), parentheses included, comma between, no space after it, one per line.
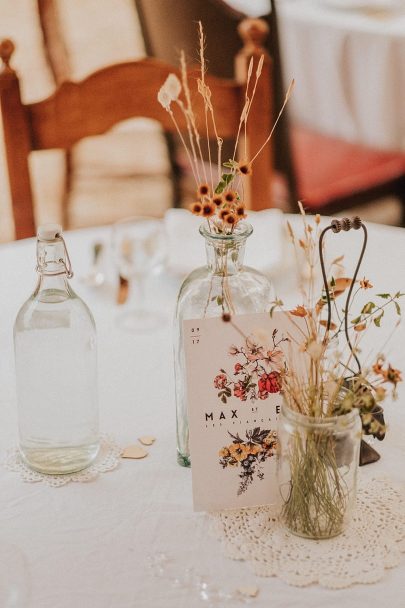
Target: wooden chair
(115,93)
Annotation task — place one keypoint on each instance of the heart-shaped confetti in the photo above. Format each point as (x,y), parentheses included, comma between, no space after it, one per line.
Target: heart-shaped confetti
(147,440)
(134,451)
(248,591)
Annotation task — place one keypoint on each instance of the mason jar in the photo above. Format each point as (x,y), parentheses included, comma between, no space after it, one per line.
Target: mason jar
(317,465)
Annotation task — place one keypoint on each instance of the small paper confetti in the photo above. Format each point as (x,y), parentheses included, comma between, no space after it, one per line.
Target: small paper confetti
(147,440)
(134,451)
(248,591)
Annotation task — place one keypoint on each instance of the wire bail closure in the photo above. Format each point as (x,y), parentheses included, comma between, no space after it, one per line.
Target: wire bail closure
(67,265)
(336,226)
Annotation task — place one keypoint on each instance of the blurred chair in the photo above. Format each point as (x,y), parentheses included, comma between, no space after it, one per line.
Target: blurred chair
(92,106)
(332,175)
(328,174)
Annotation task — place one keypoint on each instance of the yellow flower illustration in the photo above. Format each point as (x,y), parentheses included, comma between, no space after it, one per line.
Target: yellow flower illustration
(239,451)
(224,453)
(253,449)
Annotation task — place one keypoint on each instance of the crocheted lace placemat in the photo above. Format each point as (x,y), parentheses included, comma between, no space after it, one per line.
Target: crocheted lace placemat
(374,541)
(107,459)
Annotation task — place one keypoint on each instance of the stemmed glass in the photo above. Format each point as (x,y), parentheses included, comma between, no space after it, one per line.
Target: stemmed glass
(139,249)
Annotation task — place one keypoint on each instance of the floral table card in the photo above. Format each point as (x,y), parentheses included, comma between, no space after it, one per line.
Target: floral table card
(233,394)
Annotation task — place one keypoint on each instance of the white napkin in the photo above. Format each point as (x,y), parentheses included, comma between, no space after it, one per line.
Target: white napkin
(264,249)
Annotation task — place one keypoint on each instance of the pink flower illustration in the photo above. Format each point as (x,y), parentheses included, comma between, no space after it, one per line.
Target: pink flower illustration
(220,381)
(239,391)
(269,383)
(257,372)
(276,359)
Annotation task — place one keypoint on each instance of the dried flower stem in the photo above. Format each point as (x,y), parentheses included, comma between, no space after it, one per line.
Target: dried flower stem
(287,97)
(183,142)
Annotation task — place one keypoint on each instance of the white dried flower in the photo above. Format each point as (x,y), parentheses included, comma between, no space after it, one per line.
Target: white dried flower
(164,98)
(172,86)
(169,91)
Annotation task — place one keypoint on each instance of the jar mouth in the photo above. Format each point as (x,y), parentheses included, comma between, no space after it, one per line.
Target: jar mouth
(241,232)
(317,421)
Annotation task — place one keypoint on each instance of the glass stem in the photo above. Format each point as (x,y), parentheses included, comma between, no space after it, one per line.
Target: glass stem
(137,293)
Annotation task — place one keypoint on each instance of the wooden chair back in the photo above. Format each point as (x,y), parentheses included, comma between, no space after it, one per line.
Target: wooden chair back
(92,106)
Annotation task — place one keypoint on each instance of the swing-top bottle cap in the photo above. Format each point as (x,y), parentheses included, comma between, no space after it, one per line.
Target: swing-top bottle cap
(49,232)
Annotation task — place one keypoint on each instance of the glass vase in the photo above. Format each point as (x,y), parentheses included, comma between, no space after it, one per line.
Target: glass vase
(317,467)
(224,285)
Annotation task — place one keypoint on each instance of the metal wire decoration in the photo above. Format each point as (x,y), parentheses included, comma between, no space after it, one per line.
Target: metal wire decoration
(336,226)
(367,453)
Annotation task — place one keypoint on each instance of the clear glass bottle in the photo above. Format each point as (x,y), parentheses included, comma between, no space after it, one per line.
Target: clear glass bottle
(56,367)
(317,464)
(224,285)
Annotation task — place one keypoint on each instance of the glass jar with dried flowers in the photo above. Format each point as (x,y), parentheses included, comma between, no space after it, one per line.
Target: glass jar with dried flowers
(332,398)
(224,286)
(317,466)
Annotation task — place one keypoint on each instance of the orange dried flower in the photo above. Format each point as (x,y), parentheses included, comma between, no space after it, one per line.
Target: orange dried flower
(341,284)
(208,209)
(392,375)
(196,208)
(377,367)
(203,190)
(240,211)
(324,323)
(365,284)
(244,168)
(223,213)
(230,196)
(231,219)
(218,200)
(299,311)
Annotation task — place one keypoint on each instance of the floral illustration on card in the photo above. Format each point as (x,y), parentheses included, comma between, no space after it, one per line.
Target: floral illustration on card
(249,454)
(257,371)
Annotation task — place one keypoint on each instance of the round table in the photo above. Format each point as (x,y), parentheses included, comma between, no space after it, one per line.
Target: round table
(91,544)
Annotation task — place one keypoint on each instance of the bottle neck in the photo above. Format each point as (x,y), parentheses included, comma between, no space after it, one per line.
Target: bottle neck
(225,257)
(225,252)
(53,270)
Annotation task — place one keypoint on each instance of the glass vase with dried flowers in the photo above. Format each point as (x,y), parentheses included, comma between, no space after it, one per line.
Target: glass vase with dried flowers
(224,286)
(332,397)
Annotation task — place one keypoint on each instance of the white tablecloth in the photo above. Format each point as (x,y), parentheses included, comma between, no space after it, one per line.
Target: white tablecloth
(349,67)
(86,545)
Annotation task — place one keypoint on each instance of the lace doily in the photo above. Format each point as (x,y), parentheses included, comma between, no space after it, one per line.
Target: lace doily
(373,542)
(107,459)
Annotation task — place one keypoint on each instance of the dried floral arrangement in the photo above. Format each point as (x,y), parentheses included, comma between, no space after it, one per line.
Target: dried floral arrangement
(220,186)
(334,365)
(334,383)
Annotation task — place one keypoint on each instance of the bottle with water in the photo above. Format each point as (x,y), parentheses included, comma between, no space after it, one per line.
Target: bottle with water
(56,367)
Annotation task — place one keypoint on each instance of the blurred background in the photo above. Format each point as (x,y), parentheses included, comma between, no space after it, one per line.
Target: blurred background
(348,60)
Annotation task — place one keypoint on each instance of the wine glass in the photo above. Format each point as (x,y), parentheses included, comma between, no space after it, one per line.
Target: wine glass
(139,249)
